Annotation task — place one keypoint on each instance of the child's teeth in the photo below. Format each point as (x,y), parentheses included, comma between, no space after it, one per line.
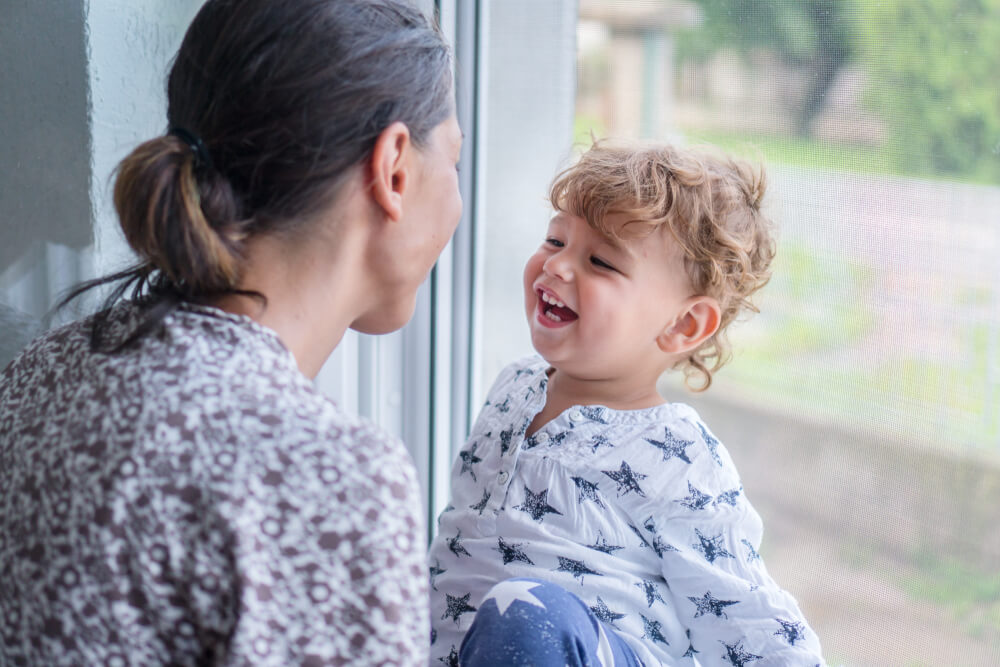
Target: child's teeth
(553,316)
(552,300)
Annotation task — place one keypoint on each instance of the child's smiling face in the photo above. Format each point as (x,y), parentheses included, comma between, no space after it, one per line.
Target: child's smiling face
(596,307)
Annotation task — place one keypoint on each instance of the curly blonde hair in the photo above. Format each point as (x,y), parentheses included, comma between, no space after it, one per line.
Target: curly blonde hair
(711,205)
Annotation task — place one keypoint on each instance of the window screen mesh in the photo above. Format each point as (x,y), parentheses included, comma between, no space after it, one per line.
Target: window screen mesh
(863,403)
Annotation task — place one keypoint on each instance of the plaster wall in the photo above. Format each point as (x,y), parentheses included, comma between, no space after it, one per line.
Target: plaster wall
(130,44)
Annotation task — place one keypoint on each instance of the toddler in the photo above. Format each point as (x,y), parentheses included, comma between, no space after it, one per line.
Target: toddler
(592,523)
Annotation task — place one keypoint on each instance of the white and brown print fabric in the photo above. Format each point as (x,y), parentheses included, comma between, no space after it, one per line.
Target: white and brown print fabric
(194,500)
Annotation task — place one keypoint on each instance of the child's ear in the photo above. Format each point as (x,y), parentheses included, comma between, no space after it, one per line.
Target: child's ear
(389,165)
(697,321)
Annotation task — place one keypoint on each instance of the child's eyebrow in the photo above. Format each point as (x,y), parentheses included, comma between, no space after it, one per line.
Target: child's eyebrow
(618,246)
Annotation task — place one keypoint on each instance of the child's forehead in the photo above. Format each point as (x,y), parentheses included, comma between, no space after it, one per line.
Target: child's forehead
(618,229)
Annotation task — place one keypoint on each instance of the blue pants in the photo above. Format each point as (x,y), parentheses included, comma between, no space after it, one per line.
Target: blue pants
(525,622)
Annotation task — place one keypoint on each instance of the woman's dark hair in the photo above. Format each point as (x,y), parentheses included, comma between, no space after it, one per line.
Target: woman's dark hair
(285,96)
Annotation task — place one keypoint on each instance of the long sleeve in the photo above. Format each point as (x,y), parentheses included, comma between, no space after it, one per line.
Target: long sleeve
(707,536)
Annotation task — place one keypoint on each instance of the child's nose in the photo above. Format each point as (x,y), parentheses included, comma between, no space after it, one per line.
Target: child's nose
(559,265)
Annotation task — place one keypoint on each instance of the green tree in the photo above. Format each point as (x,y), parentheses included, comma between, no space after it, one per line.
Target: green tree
(935,69)
(814,36)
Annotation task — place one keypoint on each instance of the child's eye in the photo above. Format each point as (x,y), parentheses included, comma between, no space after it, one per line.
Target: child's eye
(554,242)
(597,261)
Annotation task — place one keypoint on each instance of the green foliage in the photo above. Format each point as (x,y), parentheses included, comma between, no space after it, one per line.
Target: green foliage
(935,68)
(797,31)
(971,595)
(801,152)
(812,35)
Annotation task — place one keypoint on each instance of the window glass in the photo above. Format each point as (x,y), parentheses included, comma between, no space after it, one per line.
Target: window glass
(862,406)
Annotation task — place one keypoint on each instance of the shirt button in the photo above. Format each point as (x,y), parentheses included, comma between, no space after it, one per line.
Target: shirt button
(503,477)
(542,437)
(576,416)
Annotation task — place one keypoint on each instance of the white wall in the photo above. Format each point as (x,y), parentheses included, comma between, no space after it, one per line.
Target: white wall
(530,90)
(130,44)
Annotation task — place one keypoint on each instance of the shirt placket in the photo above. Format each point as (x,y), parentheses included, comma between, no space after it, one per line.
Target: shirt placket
(517,425)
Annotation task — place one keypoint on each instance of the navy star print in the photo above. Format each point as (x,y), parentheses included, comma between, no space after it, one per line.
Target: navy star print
(481,505)
(588,491)
(661,475)
(642,540)
(456,547)
(505,437)
(728,497)
(593,414)
(628,481)
(653,631)
(603,545)
(711,443)
(691,650)
(599,441)
(752,554)
(652,592)
(536,505)
(469,459)
(435,571)
(575,567)
(672,446)
(659,546)
(457,606)
(511,552)
(711,605)
(711,547)
(452,659)
(558,438)
(695,500)
(790,631)
(602,612)
(737,655)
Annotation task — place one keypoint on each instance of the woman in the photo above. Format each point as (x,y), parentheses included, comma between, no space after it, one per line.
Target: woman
(174,490)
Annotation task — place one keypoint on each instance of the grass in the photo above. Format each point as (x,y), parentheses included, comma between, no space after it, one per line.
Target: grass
(970,595)
(827,155)
(798,151)
(810,350)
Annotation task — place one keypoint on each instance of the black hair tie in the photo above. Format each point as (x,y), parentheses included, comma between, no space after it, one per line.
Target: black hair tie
(201,156)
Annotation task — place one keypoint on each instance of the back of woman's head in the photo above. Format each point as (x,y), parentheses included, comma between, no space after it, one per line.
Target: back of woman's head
(271,103)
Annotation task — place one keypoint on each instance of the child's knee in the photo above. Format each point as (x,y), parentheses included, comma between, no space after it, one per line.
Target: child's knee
(530,621)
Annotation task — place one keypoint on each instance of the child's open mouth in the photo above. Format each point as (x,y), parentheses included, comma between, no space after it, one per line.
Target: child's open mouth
(552,311)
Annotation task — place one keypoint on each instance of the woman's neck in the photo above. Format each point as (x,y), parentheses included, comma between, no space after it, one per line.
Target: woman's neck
(313,294)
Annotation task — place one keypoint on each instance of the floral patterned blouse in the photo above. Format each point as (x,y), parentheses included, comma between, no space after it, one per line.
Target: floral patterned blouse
(194,500)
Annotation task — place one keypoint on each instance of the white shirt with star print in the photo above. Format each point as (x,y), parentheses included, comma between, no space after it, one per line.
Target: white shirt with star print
(640,513)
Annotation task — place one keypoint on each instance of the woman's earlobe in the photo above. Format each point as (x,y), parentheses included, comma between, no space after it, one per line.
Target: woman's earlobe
(389,165)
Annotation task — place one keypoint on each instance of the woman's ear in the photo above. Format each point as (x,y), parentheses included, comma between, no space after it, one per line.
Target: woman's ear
(698,320)
(390,164)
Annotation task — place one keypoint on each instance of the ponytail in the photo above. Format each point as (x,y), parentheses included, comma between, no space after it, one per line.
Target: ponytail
(184,222)
(165,221)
